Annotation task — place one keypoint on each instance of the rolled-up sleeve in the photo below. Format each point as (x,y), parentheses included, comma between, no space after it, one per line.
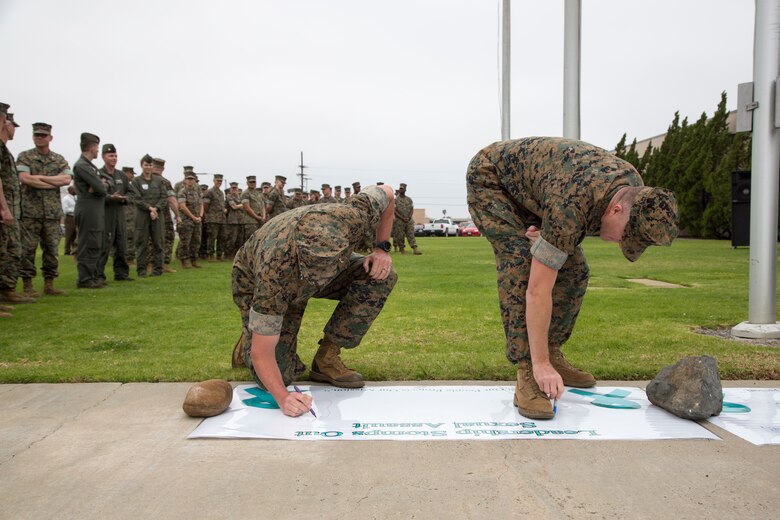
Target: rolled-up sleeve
(548,254)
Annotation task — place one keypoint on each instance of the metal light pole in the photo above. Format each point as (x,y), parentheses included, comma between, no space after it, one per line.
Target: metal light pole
(572,23)
(505,71)
(762,312)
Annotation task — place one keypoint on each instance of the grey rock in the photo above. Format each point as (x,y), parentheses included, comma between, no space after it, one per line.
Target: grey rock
(208,398)
(689,389)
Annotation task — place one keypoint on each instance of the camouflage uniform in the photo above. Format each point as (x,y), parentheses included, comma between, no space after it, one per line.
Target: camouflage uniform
(10,236)
(308,253)
(296,203)
(169,235)
(235,224)
(324,200)
(41,213)
(275,204)
(189,230)
(256,201)
(562,187)
(403,225)
(215,222)
(146,194)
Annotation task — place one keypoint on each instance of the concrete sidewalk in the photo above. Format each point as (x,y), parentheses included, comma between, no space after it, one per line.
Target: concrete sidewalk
(110,450)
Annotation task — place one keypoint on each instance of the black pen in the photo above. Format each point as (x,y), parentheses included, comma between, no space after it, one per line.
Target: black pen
(299,391)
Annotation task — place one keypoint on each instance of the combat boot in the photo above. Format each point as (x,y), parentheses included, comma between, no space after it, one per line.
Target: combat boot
(531,402)
(416,252)
(168,269)
(327,367)
(238,357)
(402,249)
(28,288)
(6,308)
(211,259)
(571,375)
(48,287)
(4,314)
(185,264)
(195,264)
(11,296)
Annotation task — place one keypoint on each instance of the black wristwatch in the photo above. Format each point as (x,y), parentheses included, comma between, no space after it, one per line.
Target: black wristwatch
(384,246)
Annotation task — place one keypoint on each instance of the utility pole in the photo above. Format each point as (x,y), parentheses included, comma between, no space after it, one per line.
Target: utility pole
(505,71)
(572,24)
(762,310)
(302,175)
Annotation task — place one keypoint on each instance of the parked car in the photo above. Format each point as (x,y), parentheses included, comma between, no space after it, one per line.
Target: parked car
(442,227)
(470,230)
(419,230)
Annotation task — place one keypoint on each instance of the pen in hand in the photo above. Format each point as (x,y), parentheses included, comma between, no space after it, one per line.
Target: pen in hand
(299,391)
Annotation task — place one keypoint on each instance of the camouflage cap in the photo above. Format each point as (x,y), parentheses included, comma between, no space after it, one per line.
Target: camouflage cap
(314,192)
(204,186)
(355,184)
(188,169)
(379,183)
(653,221)
(265,184)
(402,186)
(41,128)
(234,185)
(190,175)
(218,177)
(87,138)
(251,178)
(347,190)
(337,188)
(10,118)
(160,163)
(109,148)
(4,108)
(281,178)
(325,186)
(128,169)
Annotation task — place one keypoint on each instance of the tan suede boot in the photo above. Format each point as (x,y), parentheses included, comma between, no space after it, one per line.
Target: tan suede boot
(6,308)
(28,288)
(48,287)
(416,251)
(530,401)
(4,314)
(238,357)
(168,269)
(11,296)
(571,375)
(327,367)
(195,263)
(185,264)
(402,250)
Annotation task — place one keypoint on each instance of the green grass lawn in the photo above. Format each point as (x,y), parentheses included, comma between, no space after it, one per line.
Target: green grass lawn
(441,322)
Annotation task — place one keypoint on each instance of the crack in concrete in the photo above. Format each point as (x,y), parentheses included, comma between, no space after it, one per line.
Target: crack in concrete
(59,426)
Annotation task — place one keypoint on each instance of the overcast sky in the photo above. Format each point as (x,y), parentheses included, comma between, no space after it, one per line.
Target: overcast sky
(401,91)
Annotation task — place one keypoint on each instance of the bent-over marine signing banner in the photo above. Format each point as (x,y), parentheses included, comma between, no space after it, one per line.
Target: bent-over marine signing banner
(751,413)
(407,413)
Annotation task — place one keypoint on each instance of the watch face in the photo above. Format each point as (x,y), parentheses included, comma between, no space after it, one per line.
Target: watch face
(384,246)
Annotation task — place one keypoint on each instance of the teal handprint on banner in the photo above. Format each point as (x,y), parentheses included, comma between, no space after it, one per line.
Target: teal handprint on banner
(262,398)
(614,399)
(734,407)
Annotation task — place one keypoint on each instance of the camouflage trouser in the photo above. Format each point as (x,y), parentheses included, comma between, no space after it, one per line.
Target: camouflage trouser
(233,234)
(148,237)
(361,299)
(249,230)
(403,230)
(170,237)
(47,232)
(216,239)
(70,234)
(189,240)
(10,255)
(130,216)
(504,222)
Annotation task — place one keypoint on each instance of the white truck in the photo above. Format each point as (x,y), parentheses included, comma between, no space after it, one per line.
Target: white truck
(441,227)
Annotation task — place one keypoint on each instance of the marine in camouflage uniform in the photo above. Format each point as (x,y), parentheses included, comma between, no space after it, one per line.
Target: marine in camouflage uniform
(129,217)
(41,173)
(214,213)
(191,209)
(535,200)
(297,200)
(10,210)
(169,204)
(275,203)
(254,203)
(327,195)
(235,220)
(308,253)
(404,213)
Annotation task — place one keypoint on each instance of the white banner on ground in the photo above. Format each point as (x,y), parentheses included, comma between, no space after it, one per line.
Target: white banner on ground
(447,413)
(751,413)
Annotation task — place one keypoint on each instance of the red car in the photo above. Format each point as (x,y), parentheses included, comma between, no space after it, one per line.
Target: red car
(469,230)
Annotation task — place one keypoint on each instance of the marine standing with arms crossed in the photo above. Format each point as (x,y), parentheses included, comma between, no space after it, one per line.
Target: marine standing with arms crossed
(91,193)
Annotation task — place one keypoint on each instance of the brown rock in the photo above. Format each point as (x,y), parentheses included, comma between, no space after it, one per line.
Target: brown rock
(208,398)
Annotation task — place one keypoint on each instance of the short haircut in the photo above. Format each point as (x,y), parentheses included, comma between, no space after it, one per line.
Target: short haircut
(626,196)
